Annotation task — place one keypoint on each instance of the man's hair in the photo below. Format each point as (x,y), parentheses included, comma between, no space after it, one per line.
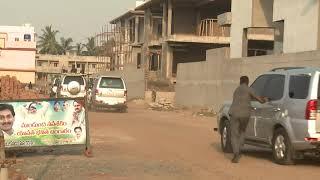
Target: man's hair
(77,128)
(244,79)
(7,107)
(81,102)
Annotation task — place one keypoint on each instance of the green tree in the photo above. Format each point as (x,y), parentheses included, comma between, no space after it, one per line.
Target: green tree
(92,50)
(65,45)
(79,49)
(48,43)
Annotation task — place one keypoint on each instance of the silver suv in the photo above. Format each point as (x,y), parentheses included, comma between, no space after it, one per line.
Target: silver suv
(290,123)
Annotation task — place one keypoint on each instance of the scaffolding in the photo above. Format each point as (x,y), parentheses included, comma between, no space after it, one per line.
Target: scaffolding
(114,42)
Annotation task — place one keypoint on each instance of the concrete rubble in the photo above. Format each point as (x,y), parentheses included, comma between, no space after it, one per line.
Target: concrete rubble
(11,89)
(162,105)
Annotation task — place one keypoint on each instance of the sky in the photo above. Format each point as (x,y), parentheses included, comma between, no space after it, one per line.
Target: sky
(77,19)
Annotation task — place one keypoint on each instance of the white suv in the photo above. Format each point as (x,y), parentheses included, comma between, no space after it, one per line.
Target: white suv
(73,86)
(109,92)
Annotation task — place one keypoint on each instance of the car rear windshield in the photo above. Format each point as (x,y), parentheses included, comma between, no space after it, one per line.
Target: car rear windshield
(108,82)
(299,86)
(69,79)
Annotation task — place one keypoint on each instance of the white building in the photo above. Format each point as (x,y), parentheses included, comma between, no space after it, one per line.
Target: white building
(17,52)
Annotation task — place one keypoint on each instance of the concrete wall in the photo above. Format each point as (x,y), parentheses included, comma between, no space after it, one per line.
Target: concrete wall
(212,82)
(301,27)
(184,20)
(262,13)
(241,18)
(134,79)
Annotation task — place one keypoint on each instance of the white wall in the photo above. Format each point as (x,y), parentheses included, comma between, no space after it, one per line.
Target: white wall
(301,24)
(18,32)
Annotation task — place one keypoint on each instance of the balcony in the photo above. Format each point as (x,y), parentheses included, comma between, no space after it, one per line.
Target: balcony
(21,44)
(208,32)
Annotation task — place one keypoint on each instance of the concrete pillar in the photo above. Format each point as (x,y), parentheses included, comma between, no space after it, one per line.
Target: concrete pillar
(278,37)
(169,62)
(147,38)
(136,30)
(166,61)
(198,21)
(245,43)
(164,19)
(169,32)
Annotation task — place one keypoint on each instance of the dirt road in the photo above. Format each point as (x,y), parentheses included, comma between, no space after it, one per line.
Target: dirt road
(150,145)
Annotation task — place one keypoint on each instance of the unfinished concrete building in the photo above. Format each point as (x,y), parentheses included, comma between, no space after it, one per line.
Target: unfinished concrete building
(126,34)
(283,26)
(180,31)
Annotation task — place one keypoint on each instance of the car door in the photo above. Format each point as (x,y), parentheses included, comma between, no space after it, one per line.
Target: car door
(271,111)
(258,87)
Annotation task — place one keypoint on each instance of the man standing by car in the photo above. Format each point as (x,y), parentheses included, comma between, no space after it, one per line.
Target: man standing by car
(240,112)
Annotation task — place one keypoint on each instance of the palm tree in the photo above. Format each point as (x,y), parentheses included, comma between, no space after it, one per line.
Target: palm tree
(65,45)
(91,47)
(48,43)
(79,49)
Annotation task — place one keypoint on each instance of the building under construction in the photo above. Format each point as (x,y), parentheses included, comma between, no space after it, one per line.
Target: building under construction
(120,40)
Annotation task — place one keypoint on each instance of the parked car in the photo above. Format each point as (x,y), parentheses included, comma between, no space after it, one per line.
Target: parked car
(109,92)
(73,86)
(289,124)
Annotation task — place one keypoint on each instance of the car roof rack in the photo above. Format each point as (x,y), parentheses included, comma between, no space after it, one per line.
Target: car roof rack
(286,68)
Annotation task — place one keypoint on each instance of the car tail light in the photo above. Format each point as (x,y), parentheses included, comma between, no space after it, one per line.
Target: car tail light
(311,110)
(125,93)
(97,91)
(309,139)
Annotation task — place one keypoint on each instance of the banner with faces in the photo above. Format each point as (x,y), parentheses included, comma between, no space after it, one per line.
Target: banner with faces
(43,123)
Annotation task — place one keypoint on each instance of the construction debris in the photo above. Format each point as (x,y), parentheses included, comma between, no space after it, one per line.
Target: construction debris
(162,105)
(11,88)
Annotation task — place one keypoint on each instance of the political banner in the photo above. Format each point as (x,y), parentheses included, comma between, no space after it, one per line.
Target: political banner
(43,123)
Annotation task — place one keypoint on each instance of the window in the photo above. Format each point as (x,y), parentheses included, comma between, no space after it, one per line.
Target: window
(93,65)
(271,86)
(39,63)
(27,37)
(154,62)
(274,87)
(259,84)
(78,65)
(68,79)
(299,86)
(16,39)
(55,64)
(107,82)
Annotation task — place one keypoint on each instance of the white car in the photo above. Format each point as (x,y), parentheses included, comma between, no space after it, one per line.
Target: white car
(73,86)
(109,92)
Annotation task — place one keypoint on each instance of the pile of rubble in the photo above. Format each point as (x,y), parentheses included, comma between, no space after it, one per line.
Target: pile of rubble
(162,105)
(11,88)
(208,112)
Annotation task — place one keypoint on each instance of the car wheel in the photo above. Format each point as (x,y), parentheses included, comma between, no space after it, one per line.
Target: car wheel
(281,148)
(123,110)
(226,137)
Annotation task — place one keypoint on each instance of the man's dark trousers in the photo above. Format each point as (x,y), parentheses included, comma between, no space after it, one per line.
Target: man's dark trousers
(238,131)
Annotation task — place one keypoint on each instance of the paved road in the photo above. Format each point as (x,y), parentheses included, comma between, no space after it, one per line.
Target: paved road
(150,145)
